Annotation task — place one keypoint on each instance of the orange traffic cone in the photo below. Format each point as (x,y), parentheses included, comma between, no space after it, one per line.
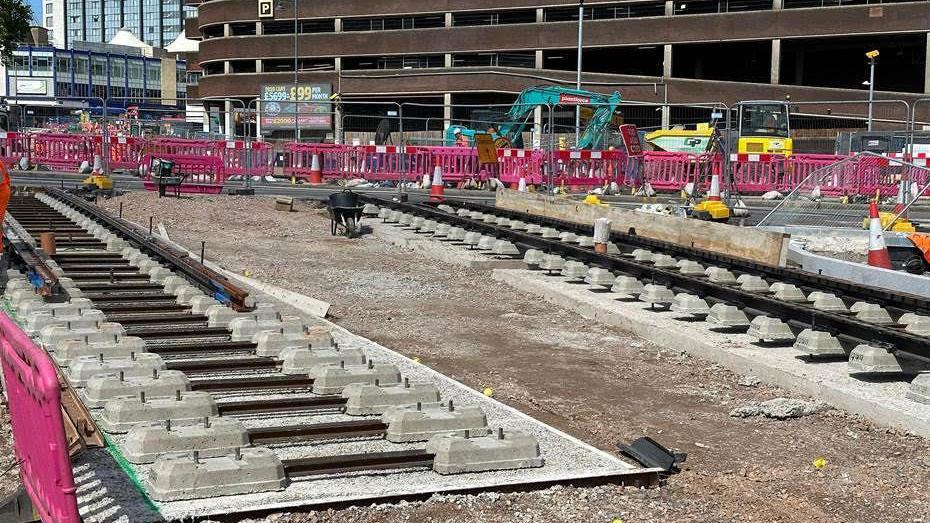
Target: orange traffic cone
(900,206)
(878,252)
(316,174)
(437,188)
(713,195)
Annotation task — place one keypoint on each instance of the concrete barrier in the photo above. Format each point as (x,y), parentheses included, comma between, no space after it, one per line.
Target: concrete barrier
(766,247)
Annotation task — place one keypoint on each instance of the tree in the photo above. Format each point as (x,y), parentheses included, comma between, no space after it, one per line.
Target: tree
(15,19)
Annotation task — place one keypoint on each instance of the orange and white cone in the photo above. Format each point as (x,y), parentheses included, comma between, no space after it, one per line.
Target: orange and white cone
(900,206)
(426,181)
(878,252)
(316,174)
(713,195)
(437,188)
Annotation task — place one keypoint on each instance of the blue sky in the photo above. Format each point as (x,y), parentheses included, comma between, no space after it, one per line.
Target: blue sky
(36,9)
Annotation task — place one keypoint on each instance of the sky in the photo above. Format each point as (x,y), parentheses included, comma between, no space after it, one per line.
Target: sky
(36,9)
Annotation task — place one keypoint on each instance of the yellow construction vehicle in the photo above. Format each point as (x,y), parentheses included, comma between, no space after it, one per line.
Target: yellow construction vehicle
(98,182)
(678,139)
(765,128)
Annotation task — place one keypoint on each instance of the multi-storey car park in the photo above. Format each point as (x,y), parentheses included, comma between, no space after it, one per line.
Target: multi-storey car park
(458,53)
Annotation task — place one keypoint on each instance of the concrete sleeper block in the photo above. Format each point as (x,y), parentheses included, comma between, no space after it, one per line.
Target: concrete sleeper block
(689,305)
(420,423)
(139,365)
(210,437)
(53,335)
(122,414)
(574,270)
(664,261)
(119,347)
(764,328)
(103,388)
(788,292)
(332,380)
(727,316)
(600,277)
(310,361)
(627,286)
(866,359)
(872,313)
(552,263)
(366,400)
(657,295)
(533,258)
(818,343)
(457,455)
(919,390)
(180,476)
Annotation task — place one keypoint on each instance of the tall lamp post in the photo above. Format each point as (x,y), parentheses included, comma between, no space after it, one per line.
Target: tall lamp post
(871,55)
(296,70)
(578,71)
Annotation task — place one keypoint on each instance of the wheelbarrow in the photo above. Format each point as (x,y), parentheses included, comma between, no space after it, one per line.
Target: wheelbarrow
(345,214)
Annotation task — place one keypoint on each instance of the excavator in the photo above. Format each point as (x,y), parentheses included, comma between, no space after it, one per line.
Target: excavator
(509,132)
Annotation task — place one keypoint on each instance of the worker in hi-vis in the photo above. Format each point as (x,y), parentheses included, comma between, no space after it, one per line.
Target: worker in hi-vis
(5,190)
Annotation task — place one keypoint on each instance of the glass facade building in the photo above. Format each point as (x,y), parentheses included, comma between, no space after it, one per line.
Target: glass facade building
(156,22)
(122,78)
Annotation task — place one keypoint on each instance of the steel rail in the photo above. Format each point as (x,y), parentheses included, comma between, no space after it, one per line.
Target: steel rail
(280,405)
(401,459)
(318,431)
(859,292)
(220,287)
(895,341)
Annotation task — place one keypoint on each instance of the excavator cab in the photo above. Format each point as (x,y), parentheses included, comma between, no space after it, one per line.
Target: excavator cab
(765,128)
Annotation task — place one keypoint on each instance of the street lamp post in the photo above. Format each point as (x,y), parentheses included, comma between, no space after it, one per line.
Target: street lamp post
(578,71)
(296,79)
(871,55)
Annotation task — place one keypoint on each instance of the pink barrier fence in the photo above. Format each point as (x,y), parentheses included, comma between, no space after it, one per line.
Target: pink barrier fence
(202,174)
(665,171)
(238,155)
(516,162)
(14,146)
(587,168)
(38,430)
(63,152)
(125,151)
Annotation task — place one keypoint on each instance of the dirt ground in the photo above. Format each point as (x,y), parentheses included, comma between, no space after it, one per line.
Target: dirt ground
(597,383)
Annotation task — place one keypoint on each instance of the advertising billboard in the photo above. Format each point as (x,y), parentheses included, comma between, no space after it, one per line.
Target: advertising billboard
(309,103)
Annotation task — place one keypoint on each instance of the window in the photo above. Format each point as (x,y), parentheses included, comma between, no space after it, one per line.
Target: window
(135,70)
(117,74)
(41,64)
(20,63)
(63,66)
(99,67)
(80,65)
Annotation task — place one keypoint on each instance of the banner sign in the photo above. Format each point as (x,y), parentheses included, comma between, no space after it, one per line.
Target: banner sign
(309,103)
(573,99)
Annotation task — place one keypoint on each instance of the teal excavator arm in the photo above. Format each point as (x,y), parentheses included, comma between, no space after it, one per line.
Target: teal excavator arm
(510,132)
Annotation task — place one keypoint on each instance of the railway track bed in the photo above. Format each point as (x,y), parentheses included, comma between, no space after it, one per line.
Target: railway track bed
(324,455)
(887,383)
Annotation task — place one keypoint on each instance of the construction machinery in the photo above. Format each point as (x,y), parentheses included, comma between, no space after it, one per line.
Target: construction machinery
(679,139)
(765,128)
(508,132)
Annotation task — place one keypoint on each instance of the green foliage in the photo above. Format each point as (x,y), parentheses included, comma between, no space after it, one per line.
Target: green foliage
(15,19)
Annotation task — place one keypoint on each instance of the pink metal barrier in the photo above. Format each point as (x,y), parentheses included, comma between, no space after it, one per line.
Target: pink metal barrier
(181,146)
(242,158)
(14,146)
(202,174)
(125,151)
(38,430)
(518,162)
(298,159)
(758,173)
(587,168)
(63,152)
